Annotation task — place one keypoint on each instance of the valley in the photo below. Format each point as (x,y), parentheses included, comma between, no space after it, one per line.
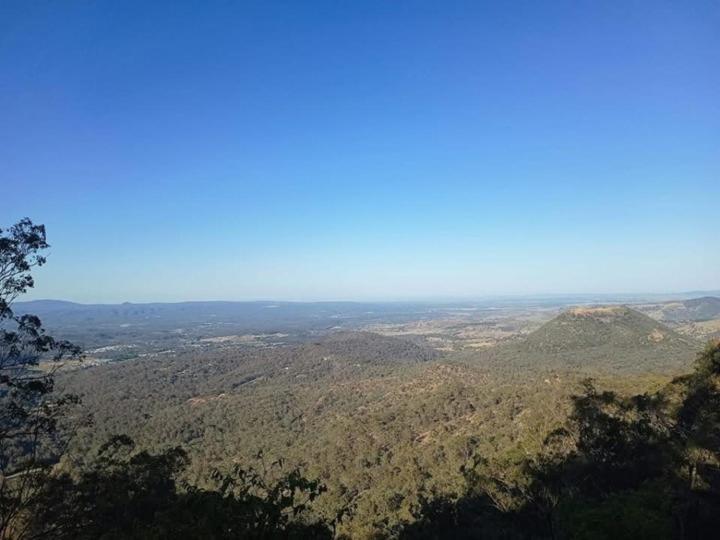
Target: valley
(385,412)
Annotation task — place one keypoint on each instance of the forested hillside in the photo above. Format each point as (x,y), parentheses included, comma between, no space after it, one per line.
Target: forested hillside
(592,340)
(382,422)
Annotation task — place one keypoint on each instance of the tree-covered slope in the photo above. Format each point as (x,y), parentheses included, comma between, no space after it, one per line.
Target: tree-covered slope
(613,339)
(382,421)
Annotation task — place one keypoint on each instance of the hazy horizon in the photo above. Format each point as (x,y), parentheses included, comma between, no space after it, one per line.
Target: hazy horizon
(429,300)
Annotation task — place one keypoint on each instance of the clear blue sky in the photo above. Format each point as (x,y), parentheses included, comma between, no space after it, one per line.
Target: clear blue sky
(363,150)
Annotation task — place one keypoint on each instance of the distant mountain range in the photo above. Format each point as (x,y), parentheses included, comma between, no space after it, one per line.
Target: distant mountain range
(676,306)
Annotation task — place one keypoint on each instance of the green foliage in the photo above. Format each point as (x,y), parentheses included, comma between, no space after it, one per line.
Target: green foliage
(708,363)
(602,340)
(646,466)
(417,448)
(29,415)
(642,514)
(378,435)
(131,494)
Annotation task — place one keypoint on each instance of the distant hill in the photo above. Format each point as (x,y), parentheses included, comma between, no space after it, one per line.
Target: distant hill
(612,338)
(338,355)
(582,328)
(702,309)
(370,348)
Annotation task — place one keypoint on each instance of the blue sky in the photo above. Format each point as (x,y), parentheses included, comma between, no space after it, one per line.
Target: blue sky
(363,150)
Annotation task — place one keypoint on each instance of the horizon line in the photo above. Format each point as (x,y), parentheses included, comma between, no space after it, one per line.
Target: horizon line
(411,300)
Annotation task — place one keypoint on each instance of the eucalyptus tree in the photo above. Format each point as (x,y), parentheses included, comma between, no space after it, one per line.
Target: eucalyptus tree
(30,438)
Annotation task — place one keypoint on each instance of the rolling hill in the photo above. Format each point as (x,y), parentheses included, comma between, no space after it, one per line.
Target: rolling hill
(381,420)
(613,339)
(704,308)
(370,415)
(701,309)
